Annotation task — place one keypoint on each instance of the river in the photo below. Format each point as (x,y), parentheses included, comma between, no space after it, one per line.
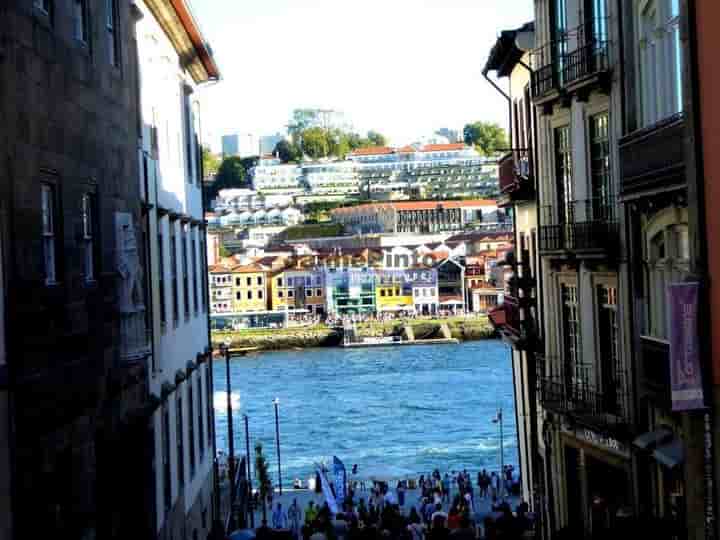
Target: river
(416,407)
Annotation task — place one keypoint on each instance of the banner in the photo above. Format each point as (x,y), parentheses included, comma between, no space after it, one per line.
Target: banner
(685,375)
(340,479)
(327,491)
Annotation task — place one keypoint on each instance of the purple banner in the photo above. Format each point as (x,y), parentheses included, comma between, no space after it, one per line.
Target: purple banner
(685,374)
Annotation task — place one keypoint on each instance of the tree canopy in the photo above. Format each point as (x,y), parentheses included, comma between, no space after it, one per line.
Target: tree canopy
(487,137)
(317,142)
(211,163)
(232,173)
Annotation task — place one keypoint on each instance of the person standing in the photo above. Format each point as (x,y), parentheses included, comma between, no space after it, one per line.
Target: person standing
(279,519)
(401,493)
(446,487)
(295,518)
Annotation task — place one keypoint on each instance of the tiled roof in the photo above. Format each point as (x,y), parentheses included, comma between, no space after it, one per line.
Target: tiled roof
(430,205)
(442,147)
(247,269)
(406,150)
(373,151)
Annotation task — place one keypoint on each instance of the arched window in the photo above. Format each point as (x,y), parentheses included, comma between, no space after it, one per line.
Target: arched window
(666,260)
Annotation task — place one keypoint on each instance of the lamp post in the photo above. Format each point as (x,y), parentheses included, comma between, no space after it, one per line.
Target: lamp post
(276,402)
(499,420)
(231,436)
(251,510)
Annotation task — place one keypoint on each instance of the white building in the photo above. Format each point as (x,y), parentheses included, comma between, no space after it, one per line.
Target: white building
(270,178)
(173,61)
(240,145)
(331,179)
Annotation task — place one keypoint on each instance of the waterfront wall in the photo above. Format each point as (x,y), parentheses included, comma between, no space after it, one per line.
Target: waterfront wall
(321,336)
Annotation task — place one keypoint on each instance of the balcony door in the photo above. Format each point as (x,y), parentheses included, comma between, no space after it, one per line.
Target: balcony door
(610,369)
(563,174)
(596,21)
(559,35)
(574,372)
(600,176)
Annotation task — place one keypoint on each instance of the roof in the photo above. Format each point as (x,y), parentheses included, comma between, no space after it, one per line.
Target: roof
(406,150)
(443,147)
(431,205)
(505,54)
(177,21)
(247,269)
(373,151)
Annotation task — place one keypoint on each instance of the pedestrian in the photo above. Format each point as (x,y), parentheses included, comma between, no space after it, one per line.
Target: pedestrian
(295,518)
(401,493)
(494,485)
(279,519)
(446,487)
(415,526)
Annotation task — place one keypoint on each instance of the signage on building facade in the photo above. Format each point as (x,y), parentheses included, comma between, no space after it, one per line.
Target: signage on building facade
(602,441)
(685,375)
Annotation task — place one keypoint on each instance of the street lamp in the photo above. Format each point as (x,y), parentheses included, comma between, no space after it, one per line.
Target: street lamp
(276,402)
(224,347)
(250,508)
(499,420)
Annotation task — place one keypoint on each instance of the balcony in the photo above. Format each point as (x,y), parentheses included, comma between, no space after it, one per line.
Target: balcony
(507,318)
(584,229)
(545,76)
(652,159)
(588,64)
(575,391)
(516,178)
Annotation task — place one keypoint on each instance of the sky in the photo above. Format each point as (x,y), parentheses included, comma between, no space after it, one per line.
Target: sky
(401,67)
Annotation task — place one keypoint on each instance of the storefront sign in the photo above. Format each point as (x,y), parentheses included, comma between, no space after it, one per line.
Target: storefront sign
(685,375)
(607,443)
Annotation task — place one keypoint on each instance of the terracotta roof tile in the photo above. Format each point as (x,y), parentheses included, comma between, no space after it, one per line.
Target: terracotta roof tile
(442,147)
(373,151)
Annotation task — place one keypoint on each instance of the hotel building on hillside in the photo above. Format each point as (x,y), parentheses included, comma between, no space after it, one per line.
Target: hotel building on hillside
(414,217)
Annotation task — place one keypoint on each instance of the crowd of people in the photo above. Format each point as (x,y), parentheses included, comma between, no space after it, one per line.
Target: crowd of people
(386,512)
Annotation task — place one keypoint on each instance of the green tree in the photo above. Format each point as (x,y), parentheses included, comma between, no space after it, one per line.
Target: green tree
(288,151)
(487,137)
(262,474)
(232,173)
(315,143)
(339,144)
(376,139)
(211,163)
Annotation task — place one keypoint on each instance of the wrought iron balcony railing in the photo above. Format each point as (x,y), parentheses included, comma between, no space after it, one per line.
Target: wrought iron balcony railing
(545,76)
(516,172)
(591,53)
(585,226)
(583,391)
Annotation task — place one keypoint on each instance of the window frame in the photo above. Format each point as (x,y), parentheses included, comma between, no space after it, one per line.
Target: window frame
(179,439)
(174,271)
(112,17)
(49,226)
(81,22)
(184,241)
(89,227)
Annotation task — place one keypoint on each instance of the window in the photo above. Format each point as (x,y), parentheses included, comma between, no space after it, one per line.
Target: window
(248,281)
(667,260)
(88,228)
(382,292)
(44,5)
(279,282)
(112,16)
(208,403)
(280,294)
(81,22)
(574,372)
(610,368)
(659,59)
(174,272)
(179,440)
(259,280)
(291,293)
(238,282)
(563,172)
(309,293)
(191,427)
(603,206)
(167,481)
(201,436)
(193,265)
(238,295)
(249,295)
(161,275)
(318,292)
(47,192)
(186,281)
(189,132)
(260,295)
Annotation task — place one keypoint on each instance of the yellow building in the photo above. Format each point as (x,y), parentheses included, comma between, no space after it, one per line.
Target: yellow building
(249,288)
(392,294)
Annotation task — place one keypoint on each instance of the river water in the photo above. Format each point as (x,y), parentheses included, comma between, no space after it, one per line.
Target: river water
(415,408)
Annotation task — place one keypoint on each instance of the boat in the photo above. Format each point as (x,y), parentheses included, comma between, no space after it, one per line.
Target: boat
(351,340)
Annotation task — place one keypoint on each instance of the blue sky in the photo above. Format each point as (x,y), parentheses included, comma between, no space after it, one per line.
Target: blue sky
(401,67)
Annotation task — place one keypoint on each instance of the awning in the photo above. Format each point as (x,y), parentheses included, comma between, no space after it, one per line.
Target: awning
(671,455)
(652,439)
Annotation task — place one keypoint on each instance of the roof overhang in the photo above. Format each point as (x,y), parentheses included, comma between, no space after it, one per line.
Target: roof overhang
(507,51)
(177,21)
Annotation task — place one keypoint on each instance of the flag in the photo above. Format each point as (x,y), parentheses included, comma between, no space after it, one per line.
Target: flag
(339,477)
(327,491)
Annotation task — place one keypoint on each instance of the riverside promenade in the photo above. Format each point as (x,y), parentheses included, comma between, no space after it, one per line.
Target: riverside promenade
(412,498)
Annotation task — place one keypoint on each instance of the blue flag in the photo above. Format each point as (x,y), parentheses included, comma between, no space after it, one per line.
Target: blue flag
(339,479)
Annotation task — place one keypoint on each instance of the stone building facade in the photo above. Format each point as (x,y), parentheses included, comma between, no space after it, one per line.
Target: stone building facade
(75,371)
